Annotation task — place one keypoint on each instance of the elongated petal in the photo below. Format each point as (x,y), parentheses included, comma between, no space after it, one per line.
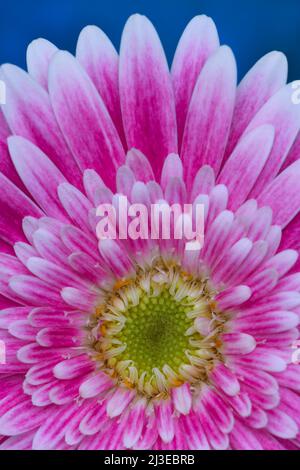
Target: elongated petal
(243,167)
(284,116)
(97,55)
(14,206)
(146,93)
(29,114)
(197,43)
(83,117)
(265,78)
(209,116)
(38,57)
(283,195)
(34,168)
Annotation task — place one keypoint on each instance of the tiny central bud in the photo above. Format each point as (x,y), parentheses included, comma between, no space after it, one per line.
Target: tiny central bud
(146,334)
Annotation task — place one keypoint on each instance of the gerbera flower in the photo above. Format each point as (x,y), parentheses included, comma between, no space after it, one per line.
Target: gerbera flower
(140,343)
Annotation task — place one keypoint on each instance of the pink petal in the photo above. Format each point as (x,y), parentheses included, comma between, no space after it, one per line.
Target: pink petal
(84,300)
(29,114)
(134,423)
(282,195)
(217,439)
(97,55)
(115,257)
(119,401)
(197,43)
(267,323)
(165,424)
(52,430)
(204,182)
(14,206)
(12,314)
(282,262)
(94,421)
(139,164)
(243,167)
(94,385)
(182,399)
(281,425)
(23,416)
(83,117)
(194,432)
(225,380)
(284,116)
(34,291)
(265,78)
(237,343)
(34,168)
(209,115)
(74,367)
(39,54)
(78,241)
(42,373)
(60,338)
(50,247)
(263,359)
(242,438)
(146,92)
(233,296)
(218,410)
(76,205)
(20,442)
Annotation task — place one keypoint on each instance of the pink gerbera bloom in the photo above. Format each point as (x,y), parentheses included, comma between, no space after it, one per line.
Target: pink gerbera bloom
(139,343)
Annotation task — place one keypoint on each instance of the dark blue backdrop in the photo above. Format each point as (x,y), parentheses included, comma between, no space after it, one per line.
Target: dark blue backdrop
(251,27)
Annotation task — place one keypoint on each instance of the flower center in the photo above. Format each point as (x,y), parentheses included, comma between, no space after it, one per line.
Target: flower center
(155,333)
(146,333)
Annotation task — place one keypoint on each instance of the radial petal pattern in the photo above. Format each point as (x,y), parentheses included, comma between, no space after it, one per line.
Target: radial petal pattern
(140,343)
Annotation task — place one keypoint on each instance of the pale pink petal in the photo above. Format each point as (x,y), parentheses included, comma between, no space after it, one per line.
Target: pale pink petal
(34,168)
(60,338)
(97,55)
(83,117)
(223,378)
(197,43)
(165,424)
(209,115)
(204,181)
(52,429)
(115,257)
(284,116)
(233,296)
(281,425)
(242,438)
(244,165)
(35,291)
(74,367)
(146,93)
(76,205)
(38,57)
(94,385)
(237,343)
(134,423)
(182,398)
(139,164)
(14,206)
(265,78)
(29,114)
(119,401)
(282,195)
(194,431)
(23,416)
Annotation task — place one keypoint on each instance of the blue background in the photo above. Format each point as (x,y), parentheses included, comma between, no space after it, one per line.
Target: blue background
(251,28)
